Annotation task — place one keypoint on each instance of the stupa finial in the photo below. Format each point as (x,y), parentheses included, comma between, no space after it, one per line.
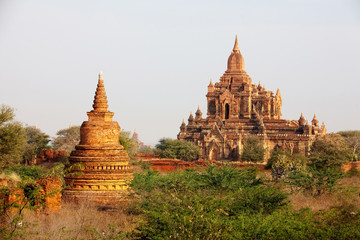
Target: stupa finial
(100,100)
(236,45)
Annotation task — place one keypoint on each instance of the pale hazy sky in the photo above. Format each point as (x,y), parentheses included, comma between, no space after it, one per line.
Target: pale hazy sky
(158,56)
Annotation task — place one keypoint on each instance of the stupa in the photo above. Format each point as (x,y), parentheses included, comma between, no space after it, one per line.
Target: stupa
(99,172)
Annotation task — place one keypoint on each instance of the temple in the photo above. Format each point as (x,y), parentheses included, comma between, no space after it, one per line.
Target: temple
(99,170)
(238,109)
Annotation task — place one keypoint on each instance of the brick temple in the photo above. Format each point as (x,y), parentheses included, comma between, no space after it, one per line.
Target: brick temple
(99,170)
(238,109)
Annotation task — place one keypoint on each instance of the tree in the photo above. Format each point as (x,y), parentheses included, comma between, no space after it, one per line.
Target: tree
(253,150)
(12,138)
(171,148)
(353,139)
(67,139)
(330,150)
(36,140)
(128,143)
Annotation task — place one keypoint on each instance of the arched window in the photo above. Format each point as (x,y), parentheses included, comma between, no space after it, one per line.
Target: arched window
(212,107)
(227,111)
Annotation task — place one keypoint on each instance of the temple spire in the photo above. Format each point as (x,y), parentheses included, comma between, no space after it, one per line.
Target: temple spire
(190,119)
(236,60)
(211,83)
(211,86)
(302,120)
(198,113)
(315,122)
(100,100)
(236,45)
(278,93)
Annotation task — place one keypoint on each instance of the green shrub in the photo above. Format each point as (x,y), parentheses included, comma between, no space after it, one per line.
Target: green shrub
(253,150)
(27,172)
(171,148)
(315,181)
(282,164)
(201,204)
(330,150)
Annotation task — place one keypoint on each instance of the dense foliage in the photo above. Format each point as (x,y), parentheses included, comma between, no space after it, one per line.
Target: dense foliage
(214,203)
(170,148)
(228,203)
(253,150)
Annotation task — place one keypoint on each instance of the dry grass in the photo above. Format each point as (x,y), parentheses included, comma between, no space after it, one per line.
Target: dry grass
(346,194)
(80,222)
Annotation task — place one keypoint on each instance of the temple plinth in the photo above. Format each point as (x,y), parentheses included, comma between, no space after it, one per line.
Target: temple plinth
(99,171)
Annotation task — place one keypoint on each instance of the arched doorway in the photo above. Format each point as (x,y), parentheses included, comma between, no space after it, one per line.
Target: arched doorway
(213,154)
(227,111)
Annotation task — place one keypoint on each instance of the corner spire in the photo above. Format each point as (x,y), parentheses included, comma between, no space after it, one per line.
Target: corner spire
(100,99)
(198,113)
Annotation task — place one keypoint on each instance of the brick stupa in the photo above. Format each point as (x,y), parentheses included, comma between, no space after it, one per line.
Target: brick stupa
(99,170)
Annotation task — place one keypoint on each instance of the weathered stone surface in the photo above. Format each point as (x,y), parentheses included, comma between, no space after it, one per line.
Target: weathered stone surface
(100,173)
(51,187)
(47,199)
(238,109)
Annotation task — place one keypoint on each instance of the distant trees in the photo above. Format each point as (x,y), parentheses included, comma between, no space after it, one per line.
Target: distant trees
(253,150)
(128,143)
(67,139)
(12,138)
(36,140)
(353,139)
(172,148)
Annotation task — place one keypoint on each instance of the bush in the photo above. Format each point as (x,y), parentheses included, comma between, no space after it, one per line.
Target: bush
(315,181)
(201,204)
(330,150)
(253,150)
(282,164)
(170,148)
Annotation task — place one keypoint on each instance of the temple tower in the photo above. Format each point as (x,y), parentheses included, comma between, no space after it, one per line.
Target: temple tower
(99,170)
(238,109)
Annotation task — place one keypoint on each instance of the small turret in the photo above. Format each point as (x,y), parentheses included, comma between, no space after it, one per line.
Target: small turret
(259,87)
(211,86)
(198,114)
(190,119)
(183,126)
(315,122)
(302,121)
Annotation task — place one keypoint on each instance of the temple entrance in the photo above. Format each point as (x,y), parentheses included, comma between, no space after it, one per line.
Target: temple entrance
(227,111)
(213,154)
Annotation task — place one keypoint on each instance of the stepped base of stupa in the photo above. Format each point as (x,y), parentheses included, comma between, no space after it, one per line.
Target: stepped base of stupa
(111,199)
